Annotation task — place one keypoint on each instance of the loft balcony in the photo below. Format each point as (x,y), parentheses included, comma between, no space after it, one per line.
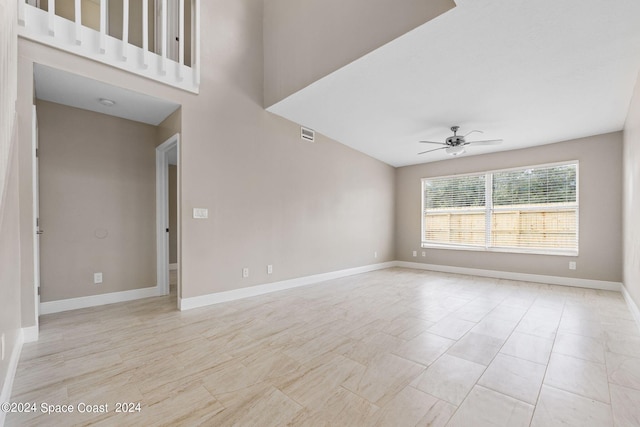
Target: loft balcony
(156,39)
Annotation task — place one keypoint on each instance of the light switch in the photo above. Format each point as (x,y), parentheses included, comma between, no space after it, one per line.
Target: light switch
(200,213)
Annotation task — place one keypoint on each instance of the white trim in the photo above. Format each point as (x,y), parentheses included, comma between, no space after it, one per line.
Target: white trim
(100,46)
(633,307)
(503,249)
(220,297)
(174,266)
(162,211)
(31,334)
(35,189)
(525,277)
(7,385)
(216,298)
(96,300)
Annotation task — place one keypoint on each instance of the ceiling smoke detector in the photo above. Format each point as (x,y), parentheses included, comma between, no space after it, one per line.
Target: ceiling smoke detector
(107,102)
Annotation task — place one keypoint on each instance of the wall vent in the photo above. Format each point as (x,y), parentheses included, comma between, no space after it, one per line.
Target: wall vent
(307,134)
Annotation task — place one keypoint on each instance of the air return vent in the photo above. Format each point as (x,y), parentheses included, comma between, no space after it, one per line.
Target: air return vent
(307,134)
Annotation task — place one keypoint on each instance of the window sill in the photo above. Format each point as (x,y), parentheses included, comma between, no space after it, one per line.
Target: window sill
(501,250)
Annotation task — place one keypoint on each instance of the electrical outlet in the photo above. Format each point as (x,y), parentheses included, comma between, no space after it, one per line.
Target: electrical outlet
(97,278)
(424,253)
(572,265)
(245,272)
(415,253)
(375,254)
(2,346)
(269,269)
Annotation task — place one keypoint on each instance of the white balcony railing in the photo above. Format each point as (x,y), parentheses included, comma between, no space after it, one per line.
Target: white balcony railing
(157,39)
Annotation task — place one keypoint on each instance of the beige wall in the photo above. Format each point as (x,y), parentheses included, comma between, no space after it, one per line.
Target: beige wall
(631,227)
(306,40)
(97,202)
(600,195)
(169,127)
(66,9)
(272,199)
(8,85)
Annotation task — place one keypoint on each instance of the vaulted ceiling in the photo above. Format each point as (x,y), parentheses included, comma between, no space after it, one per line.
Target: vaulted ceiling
(529,72)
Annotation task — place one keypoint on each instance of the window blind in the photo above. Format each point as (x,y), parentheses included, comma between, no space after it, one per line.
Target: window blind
(454,210)
(536,208)
(533,209)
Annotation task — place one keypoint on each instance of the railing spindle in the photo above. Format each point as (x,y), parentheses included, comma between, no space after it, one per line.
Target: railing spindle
(103,26)
(125,28)
(195,63)
(180,38)
(78,21)
(145,32)
(21,6)
(52,15)
(163,60)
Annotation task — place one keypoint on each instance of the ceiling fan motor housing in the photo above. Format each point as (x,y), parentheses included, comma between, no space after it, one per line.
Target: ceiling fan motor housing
(455,140)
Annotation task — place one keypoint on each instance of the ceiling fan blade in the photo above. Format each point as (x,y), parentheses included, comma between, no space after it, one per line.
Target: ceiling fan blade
(435,149)
(432,142)
(487,142)
(479,131)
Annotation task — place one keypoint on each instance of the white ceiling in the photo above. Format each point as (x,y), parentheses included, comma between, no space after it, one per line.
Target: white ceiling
(81,92)
(529,72)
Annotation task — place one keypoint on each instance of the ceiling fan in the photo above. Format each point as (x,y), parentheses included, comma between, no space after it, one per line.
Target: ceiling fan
(455,144)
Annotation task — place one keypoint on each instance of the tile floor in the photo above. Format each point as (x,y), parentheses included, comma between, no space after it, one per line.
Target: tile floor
(395,347)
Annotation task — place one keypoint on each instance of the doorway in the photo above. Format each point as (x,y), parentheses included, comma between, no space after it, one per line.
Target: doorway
(100,240)
(168,216)
(36,217)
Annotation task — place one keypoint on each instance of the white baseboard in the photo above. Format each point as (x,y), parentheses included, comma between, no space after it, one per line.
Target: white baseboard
(633,307)
(219,297)
(525,277)
(210,299)
(31,333)
(174,266)
(5,394)
(96,300)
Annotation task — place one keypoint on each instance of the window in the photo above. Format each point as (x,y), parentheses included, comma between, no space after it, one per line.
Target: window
(533,210)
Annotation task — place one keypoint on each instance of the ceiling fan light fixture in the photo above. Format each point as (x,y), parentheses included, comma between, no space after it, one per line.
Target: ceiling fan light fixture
(455,151)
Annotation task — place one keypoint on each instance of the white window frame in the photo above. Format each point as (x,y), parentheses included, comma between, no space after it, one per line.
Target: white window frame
(489,209)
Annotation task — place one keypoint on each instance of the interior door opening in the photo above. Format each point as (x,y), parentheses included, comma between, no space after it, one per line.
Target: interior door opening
(36,213)
(167,216)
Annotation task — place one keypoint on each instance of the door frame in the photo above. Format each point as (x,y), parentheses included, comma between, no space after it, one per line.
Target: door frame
(35,173)
(162,213)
